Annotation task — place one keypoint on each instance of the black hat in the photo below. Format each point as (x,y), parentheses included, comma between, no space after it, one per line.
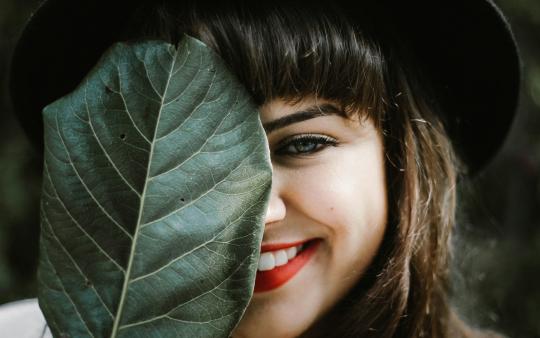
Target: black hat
(465,46)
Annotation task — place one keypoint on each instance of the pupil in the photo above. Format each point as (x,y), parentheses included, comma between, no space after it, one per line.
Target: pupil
(305,146)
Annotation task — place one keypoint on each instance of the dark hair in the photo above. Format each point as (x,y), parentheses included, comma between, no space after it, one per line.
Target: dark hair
(298,56)
(295,50)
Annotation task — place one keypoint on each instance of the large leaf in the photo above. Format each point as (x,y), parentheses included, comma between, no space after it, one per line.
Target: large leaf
(157,176)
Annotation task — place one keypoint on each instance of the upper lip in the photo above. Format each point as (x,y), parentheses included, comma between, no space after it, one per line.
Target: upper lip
(278,246)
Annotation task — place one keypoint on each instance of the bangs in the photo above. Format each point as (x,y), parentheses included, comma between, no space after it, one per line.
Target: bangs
(286,50)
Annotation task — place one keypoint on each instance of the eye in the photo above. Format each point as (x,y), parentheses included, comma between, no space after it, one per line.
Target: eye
(305,144)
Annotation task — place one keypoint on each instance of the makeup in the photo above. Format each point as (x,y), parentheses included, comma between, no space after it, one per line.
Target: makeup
(279,275)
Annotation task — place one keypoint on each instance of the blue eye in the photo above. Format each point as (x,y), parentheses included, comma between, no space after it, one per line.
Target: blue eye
(304,144)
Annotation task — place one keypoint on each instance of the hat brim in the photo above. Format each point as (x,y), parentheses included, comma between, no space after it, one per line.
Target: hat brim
(466,47)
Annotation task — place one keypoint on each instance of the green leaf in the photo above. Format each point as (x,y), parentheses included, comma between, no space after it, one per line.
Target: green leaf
(157,177)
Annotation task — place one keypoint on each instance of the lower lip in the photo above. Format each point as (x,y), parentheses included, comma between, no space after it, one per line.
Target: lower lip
(271,279)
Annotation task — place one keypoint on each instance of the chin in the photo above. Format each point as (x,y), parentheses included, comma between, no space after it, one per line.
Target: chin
(274,329)
(289,310)
(267,317)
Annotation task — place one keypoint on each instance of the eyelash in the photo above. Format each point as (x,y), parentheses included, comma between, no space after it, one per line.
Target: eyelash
(305,138)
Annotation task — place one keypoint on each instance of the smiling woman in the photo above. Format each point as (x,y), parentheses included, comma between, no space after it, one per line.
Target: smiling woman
(327,97)
(329,188)
(369,126)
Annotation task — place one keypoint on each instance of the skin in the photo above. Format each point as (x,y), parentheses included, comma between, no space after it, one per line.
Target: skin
(336,193)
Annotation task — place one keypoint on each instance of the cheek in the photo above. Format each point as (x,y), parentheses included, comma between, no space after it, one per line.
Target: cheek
(348,195)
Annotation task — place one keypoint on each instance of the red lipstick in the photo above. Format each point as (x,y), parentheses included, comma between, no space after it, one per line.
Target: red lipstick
(271,279)
(278,246)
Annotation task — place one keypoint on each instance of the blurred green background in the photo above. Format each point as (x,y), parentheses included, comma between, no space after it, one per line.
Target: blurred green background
(496,273)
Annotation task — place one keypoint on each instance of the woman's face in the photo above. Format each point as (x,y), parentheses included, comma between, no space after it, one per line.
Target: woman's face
(328,184)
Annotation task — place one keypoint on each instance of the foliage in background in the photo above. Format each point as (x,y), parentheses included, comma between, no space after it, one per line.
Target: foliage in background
(497,266)
(497,243)
(20,173)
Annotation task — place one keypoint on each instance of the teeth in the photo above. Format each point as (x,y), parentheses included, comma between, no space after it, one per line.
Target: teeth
(291,252)
(281,257)
(269,260)
(266,261)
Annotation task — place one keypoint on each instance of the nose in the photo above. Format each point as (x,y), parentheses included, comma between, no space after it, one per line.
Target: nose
(276,206)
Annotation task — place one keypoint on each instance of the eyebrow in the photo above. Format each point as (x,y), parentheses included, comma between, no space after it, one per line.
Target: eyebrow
(304,114)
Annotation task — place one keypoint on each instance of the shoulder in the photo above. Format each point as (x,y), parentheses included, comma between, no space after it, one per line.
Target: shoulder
(23,319)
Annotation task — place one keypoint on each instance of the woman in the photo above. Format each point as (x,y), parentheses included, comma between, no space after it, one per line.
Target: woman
(363,109)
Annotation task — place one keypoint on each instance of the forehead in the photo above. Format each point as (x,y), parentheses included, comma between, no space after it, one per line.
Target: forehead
(309,112)
(281,107)
(303,108)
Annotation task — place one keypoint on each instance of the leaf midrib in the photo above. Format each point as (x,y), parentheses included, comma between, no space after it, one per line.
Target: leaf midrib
(141,207)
